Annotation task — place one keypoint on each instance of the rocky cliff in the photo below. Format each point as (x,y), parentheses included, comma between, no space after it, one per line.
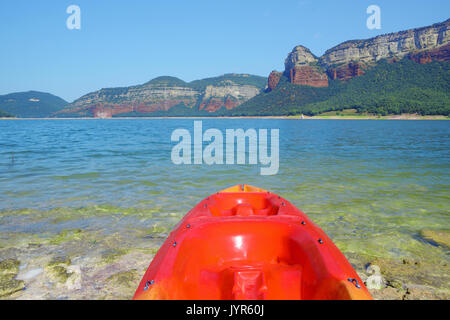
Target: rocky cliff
(228,94)
(274,79)
(352,58)
(301,67)
(163,93)
(393,45)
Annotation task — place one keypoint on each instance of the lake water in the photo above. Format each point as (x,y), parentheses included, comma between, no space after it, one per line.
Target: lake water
(372,186)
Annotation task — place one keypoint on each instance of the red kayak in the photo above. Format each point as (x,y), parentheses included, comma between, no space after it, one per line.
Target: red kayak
(245,243)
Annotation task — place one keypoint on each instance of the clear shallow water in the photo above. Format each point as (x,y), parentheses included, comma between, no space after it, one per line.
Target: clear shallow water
(371,185)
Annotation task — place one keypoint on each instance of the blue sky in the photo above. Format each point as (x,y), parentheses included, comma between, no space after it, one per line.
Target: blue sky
(124,43)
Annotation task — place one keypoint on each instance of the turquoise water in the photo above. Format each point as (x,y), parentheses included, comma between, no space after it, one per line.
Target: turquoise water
(371,185)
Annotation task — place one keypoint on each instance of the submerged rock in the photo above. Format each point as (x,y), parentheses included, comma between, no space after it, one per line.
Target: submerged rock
(9,266)
(125,278)
(409,279)
(60,271)
(122,285)
(8,286)
(440,237)
(9,269)
(110,255)
(58,260)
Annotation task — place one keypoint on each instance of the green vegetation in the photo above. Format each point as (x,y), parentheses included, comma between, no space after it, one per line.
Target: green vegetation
(112,255)
(127,278)
(240,79)
(166,81)
(9,269)
(67,235)
(5,114)
(403,87)
(31,104)
(57,270)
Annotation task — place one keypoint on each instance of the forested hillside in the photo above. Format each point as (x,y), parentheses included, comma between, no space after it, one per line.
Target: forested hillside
(388,88)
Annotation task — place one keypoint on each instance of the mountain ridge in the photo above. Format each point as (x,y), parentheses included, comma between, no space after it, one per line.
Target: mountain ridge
(31,104)
(165,92)
(352,58)
(308,84)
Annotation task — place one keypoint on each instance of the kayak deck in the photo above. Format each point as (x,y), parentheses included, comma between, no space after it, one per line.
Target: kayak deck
(247,243)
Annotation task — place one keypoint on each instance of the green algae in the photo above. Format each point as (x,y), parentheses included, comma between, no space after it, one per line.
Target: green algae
(122,285)
(9,266)
(61,214)
(9,269)
(111,255)
(59,260)
(9,286)
(67,235)
(124,278)
(59,273)
(57,270)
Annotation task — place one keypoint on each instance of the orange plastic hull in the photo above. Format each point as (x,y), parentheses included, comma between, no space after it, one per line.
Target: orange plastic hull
(246,243)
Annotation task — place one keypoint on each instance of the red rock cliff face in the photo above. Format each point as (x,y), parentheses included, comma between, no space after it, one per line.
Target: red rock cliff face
(346,72)
(214,104)
(300,67)
(438,54)
(274,79)
(353,58)
(308,76)
(109,110)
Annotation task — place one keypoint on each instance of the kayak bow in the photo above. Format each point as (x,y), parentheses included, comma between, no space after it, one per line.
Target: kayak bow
(246,243)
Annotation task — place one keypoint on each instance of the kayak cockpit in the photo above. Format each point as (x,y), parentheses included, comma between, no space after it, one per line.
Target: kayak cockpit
(251,260)
(247,243)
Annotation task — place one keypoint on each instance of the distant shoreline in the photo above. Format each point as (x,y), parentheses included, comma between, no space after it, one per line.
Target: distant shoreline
(334,117)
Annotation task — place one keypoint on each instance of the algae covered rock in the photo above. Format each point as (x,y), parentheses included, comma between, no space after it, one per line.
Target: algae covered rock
(111,255)
(9,266)
(406,278)
(125,278)
(59,260)
(9,269)
(8,286)
(122,285)
(59,273)
(59,270)
(67,235)
(439,237)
